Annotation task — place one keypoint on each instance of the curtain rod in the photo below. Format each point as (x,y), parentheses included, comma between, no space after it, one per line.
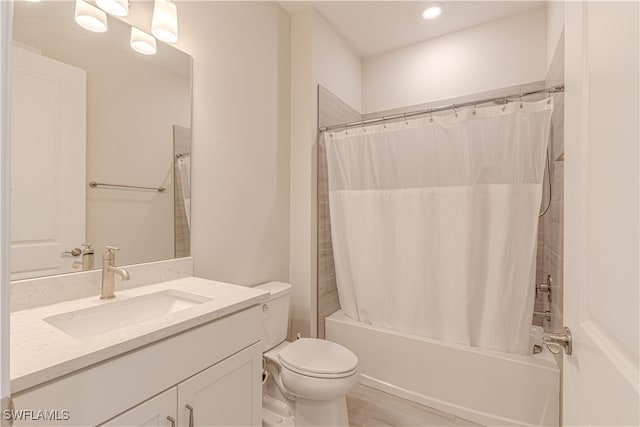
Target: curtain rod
(549,90)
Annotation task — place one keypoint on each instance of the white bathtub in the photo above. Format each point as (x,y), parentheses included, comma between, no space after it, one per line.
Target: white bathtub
(488,387)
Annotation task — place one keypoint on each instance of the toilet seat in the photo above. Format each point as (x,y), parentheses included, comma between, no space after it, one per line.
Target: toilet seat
(318,359)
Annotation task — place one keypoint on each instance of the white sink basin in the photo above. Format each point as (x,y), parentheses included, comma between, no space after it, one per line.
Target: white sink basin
(118,314)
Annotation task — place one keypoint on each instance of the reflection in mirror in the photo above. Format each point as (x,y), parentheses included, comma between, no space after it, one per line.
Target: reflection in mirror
(87,108)
(182,204)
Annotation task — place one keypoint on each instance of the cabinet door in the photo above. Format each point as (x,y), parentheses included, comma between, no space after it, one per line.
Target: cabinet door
(155,412)
(227,394)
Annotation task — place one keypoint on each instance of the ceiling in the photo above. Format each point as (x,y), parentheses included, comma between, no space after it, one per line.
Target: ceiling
(374,27)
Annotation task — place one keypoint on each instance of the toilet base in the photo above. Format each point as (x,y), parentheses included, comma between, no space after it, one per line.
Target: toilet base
(308,413)
(272,419)
(321,413)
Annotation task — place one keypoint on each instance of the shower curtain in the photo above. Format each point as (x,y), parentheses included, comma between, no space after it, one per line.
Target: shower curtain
(184,169)
(434,222)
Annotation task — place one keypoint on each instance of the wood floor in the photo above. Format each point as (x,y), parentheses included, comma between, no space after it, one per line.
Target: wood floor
(371,407)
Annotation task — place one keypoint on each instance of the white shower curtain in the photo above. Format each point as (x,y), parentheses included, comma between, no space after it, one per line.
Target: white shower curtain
(434,223)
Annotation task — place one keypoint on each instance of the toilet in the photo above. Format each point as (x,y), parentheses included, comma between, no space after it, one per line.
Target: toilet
(304,382)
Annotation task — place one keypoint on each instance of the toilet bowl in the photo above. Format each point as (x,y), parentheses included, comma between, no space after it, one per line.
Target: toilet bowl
(306,381)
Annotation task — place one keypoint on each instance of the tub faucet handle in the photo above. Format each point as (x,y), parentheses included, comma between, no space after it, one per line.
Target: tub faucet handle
(555,342)
(544,288)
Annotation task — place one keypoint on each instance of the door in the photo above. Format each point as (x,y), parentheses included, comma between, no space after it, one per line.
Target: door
(47,164)
(159,411)
(600,384)
(227,394)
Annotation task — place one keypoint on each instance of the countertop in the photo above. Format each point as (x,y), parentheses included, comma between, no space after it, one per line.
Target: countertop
(40,352)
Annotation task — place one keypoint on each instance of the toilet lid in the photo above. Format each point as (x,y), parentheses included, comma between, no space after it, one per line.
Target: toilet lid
(317,356)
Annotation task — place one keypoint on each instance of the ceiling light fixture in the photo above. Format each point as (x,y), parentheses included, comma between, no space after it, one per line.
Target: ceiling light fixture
(114,7)
(90,17)
(164,24)
(142,42)
(432,11)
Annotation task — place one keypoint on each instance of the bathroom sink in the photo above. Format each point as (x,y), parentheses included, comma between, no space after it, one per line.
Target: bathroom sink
(118,314)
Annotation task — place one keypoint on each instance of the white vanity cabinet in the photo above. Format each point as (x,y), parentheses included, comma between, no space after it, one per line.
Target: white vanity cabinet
(225,394)
(215,368)
(159,411)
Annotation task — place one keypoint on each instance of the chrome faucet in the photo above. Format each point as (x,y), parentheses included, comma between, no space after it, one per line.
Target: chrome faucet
(109,270)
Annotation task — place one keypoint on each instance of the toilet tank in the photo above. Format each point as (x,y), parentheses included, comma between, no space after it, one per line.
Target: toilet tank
(275,311)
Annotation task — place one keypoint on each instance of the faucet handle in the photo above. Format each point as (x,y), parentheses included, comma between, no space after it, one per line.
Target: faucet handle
(111,249)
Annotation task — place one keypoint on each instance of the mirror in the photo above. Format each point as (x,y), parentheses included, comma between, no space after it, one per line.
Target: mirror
(86,108)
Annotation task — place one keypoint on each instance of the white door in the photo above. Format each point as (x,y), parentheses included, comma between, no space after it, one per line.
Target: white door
(601,213)
(159,411)
(227,394)
(47,164)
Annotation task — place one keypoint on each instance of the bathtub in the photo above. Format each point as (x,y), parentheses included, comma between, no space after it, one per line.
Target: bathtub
(484,386)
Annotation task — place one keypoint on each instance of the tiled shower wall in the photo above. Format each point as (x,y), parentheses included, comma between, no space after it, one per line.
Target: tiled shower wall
(550,258)
(331,111)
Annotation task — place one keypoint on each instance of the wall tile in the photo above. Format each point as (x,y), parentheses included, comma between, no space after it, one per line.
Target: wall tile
(331,110)
(554,227)
(557,184)
(553,220)
(554,266)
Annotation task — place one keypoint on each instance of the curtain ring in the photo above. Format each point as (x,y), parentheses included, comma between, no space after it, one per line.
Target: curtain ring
(473,113)
(430,116)
(454,110)
(521,98)
(405,119)
(504,104)
(549,94)
(384,123)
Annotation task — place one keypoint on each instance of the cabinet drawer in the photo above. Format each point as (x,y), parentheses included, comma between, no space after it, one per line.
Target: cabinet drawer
(102,391)
(155,412)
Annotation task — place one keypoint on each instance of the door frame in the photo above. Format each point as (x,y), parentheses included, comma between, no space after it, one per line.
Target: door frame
(6,15)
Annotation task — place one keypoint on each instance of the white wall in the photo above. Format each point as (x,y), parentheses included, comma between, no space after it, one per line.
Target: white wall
(318,56)
(301,234)
(505,52)
(240,139)
(555,25)
(334,64)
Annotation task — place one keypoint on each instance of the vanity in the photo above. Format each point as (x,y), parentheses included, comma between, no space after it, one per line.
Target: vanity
(113,126)
(178,353)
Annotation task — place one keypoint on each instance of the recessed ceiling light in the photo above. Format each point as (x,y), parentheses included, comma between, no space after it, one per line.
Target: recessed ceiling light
(432,11)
